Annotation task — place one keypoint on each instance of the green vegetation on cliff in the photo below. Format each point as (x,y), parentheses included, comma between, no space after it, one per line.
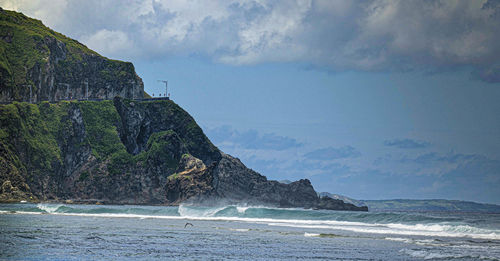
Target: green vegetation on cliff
(100,120)
(47,149)
(37,63)
(29,136)
(23,45)
(33,131)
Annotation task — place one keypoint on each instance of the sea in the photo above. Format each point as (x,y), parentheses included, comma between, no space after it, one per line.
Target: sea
(111,232)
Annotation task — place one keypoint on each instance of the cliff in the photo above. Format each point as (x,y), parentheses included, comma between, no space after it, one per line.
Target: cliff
(119,151)
(127,152)
(38,64)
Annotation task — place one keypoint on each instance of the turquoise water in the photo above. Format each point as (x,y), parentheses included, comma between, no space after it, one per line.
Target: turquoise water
(58,231)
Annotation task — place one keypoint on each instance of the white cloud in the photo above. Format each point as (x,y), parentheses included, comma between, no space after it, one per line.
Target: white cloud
(377,35)
(51,12)
(112,43)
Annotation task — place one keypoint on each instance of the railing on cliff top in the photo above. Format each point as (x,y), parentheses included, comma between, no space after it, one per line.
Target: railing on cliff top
(93,99)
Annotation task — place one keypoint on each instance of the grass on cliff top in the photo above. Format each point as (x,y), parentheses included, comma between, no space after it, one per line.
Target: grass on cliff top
(23,45)
(23,24)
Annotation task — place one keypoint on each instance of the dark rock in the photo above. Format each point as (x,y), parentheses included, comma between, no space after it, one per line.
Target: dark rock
(337,204)
(236,183)
(139,120)
(192,181)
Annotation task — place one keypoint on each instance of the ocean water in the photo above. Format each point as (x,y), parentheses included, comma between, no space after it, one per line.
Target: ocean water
(90,232)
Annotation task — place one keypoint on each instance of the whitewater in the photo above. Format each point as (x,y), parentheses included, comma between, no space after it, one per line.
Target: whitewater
(385,235)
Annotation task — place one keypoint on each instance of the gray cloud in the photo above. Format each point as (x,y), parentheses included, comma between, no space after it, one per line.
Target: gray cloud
(250,139)
(462,176)
(331,153)
(375,35)
(407,143)
(451,158)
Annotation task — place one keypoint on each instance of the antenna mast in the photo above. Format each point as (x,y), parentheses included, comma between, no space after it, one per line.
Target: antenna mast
(166,86)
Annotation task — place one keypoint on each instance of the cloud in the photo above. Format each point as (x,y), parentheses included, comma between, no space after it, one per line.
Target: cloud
(462,176)
(331,153)
(277,157)
(110,42)
(343,170)
(452,158)
(250,139)
(407,143)
(376,35)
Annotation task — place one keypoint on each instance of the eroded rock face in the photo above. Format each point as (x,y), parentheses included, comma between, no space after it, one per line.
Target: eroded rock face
(236,183)
(129,152)
(139,120)
(96,151)
(9,193)
(63,78)
(192,181)
(39,64)
(75,149)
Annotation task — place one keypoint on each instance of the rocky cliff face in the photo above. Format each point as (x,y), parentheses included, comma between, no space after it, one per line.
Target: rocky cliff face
(236,183)
(38,64)
(128,152)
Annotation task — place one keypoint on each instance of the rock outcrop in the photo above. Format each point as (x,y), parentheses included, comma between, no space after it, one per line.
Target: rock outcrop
(38,64)
(236,183)
(337,204)
(192,181)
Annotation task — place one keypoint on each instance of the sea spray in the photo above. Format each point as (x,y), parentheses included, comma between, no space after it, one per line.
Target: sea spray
(388,223)
(49,208)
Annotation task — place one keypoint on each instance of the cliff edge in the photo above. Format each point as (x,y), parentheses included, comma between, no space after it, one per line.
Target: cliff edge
(38,64)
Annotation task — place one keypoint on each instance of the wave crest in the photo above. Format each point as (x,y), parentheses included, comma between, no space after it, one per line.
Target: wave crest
(49,208)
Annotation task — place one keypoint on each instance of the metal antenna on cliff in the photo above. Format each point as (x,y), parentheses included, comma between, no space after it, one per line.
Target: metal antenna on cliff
(166,86)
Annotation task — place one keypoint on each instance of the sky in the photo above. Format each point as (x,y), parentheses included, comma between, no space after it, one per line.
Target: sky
(369,99)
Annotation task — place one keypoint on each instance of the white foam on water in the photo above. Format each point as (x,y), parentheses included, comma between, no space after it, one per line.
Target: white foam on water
(420,242)
(433,255)
(49,208)
(241,209)
(399,239)
(428,255)
(198,212)
(311,234)
(190,213)
(388,229)
(240,229)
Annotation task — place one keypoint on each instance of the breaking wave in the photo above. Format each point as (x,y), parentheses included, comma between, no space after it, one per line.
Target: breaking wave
(386,223)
